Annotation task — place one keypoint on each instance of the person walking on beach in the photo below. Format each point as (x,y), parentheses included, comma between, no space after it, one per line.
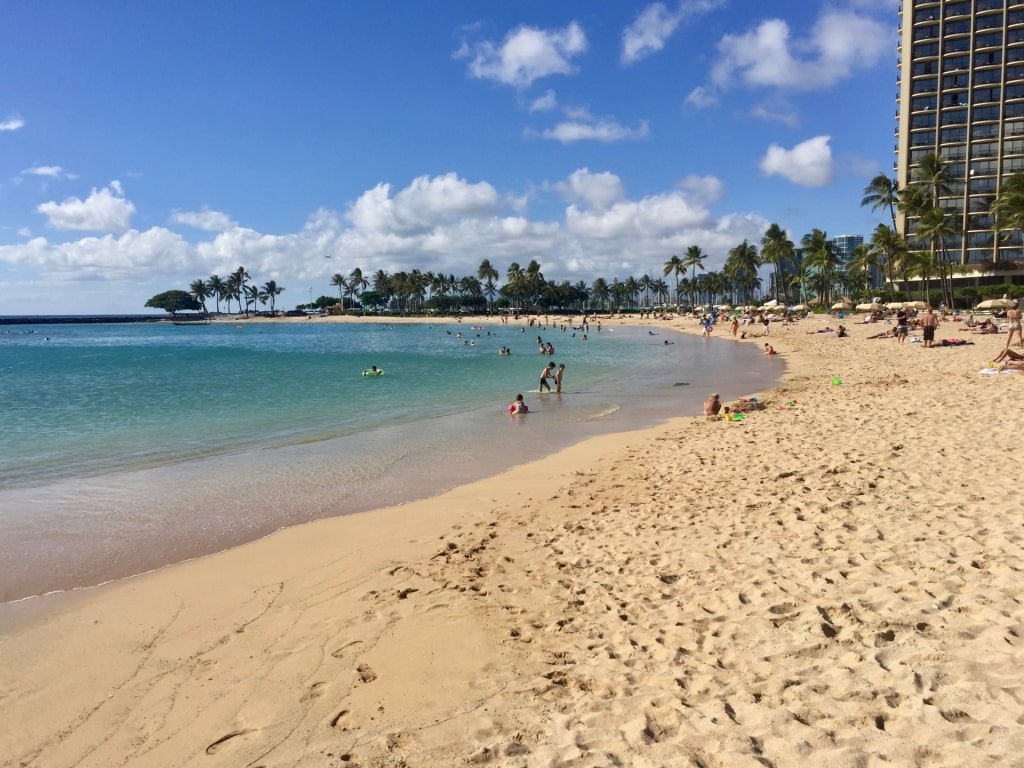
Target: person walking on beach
(1013,319)
(901,326)
(547,373)
(558,378)
(929,322)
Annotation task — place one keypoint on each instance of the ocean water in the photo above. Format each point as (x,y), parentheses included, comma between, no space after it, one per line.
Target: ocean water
(124,447)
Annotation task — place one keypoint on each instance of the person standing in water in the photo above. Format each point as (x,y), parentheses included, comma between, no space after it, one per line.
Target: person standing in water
(558,378)
(547,373)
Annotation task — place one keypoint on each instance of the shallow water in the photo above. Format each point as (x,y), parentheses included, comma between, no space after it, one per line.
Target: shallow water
(130,446)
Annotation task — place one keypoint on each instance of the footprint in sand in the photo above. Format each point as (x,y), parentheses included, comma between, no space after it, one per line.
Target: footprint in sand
(212,748)
(366,673)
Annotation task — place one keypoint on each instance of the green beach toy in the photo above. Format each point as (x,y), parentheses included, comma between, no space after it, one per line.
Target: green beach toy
(836,381)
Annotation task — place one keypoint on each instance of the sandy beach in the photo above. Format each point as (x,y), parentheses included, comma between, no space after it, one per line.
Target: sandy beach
(836,580)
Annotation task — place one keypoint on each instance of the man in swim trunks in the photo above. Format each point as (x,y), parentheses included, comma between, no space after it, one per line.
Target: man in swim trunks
(558,378)
(929,322)
(547,373)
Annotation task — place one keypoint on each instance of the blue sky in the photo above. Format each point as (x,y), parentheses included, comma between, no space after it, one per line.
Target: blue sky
(144,145)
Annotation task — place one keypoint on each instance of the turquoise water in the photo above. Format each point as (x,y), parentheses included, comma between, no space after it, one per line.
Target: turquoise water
(129,446)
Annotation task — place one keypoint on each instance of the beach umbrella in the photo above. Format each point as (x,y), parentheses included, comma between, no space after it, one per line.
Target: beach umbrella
(800,308)
(915,305)
(997,304)
(894,305)
(842,305)
(868,307)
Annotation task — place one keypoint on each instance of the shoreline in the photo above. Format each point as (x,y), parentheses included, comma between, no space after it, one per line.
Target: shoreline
(832,581)
(289,485)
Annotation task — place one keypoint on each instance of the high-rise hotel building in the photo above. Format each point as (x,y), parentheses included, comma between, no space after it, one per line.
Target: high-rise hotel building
(961,95)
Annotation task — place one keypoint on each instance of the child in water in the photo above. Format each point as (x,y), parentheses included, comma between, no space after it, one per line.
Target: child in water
(518,406)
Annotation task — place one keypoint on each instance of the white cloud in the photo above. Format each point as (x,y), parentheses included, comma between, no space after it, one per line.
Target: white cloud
(207,220)
(105,210)
(544,103)
(133,253)
(442,224)
(424,204)
(708,188)
(808,164)
(655,25)
(840,42)
(582,126)
(599,190)
(776,111)
(48,171)
(702,97)
(12,123)
(526,54)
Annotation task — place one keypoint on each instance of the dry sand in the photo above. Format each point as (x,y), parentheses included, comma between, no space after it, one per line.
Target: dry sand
(835,583)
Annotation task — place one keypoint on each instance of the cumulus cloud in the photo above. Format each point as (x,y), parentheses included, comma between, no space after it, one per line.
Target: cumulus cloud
(443,224)
(598,190)
(582,126)
(525,55)
(422,205)
(12,123)
(105,210)
(656,24)
(207,220)
(840,42)
(808,164)
(133,253)
(707,188)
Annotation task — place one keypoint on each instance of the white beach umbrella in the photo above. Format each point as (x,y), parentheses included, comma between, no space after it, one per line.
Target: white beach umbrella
(800,308)
(894,305)
(915,305)
(997,304)
(868,307)
(842,305)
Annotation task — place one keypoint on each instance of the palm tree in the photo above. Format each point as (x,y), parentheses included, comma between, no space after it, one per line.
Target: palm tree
(882,192)
(514,280)
(820,257)
(488,275)
(660,290)
(1007,208)
(694,260)
(741,266)
(356,283)
(216,286)
(339,281)
(674,266)
(200,291)
(600,292)
(890,247)
(382,284)
(271,291)
(777,250)
(241,277)
(933,227)
(252,295)
(233,290)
